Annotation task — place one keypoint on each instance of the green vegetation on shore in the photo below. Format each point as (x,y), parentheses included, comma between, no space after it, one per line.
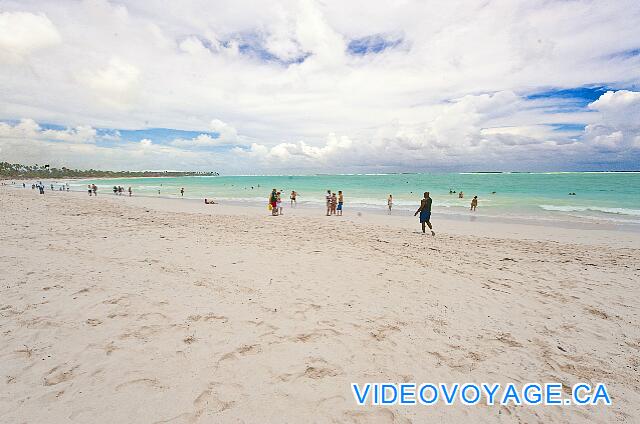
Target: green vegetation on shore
(15,170)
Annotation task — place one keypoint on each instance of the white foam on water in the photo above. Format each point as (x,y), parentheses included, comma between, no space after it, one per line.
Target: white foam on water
(574,208)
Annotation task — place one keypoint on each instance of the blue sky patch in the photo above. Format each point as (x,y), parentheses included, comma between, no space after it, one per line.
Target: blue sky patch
(371,44)
(568,127)
(252,45)
(571,97)
(625,54)
(161,135)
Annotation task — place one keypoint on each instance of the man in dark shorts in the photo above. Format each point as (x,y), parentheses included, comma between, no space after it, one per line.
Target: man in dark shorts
(425,213)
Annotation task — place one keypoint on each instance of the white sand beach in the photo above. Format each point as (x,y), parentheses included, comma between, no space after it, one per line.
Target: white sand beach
(118,310)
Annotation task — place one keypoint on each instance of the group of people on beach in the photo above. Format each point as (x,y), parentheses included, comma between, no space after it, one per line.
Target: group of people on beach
(275,201)
(40,187)
(118,190)
(335,202)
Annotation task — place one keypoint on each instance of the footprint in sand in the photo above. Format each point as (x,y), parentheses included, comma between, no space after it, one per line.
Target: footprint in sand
(152,315)
(121,301)
(382,333)
(142,333)
(209,402)
(58,375)
(316,369)
(148,382)
(316,373)
(508,339)
(379,416)
(214,317)
(93,322)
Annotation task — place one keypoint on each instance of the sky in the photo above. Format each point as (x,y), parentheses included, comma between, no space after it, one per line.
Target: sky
(248,87)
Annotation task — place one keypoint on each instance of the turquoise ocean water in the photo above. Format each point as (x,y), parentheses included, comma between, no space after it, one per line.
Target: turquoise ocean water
(607,197)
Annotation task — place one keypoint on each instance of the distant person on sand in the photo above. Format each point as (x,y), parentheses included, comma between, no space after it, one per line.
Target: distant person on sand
(95,189)
(340,202)
(279,203)
(182,192)
(334,203)
(209,202)
(130,191)
(89,189)
(390,203)
(273,201)
(328,199)
(474,203)
(425,213)
(293,197)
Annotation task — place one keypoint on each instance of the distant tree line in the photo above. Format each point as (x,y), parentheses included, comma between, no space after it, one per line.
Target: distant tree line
(16,170)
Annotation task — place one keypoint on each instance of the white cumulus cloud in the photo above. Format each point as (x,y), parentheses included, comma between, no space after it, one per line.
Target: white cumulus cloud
(23,33)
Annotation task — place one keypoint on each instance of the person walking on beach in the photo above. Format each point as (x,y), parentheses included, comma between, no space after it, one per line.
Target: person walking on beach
(89,189)
(340,202)
(390,203)
(425,213)
(293,198)
(474,203)
(273,202)
(130,191)
(94,188)
(182,192)
(328,199)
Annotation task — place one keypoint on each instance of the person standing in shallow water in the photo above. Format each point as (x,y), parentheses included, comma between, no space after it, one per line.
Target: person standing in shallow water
(390,203)
(425,213)
(293,197)
(474,203)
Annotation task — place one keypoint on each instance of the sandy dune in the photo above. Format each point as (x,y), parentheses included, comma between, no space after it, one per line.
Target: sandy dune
(113,310)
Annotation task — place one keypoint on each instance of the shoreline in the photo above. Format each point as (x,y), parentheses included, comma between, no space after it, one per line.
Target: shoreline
(511,207)
(472,224)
